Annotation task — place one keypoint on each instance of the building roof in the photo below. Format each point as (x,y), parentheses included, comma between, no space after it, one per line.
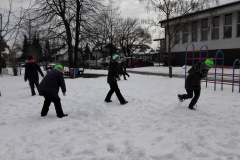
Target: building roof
(145,50)
(159,38)
(207,7)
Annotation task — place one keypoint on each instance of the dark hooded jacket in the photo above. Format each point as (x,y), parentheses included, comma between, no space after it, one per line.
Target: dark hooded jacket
(51,83)
(195,75)
(113,70)
(31,71)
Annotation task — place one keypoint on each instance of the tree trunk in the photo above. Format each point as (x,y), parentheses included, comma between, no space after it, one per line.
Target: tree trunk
(0,64)
(69,42)
(77,34)
(170,68)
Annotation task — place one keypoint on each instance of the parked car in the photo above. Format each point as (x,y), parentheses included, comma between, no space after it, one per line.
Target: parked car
(50,66)
(93,64)
(137,62)
(107,60)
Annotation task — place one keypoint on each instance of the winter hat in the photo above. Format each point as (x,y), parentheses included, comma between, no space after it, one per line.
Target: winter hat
(209,63)
(58,67)
(115,57)
(30,57)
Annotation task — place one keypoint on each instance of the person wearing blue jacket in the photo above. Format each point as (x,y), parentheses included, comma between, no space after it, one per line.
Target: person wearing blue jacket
(49,87)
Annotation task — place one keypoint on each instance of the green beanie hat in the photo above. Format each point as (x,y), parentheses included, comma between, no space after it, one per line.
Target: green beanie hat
(58,66)
(115,57)
(209,63)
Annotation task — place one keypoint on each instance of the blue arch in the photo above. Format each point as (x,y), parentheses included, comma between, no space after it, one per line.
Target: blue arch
(201,51)
(237,60)
(200,55)
(186,58)
(216,69)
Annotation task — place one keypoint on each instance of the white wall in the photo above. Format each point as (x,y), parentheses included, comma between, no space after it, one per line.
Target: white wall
(221,43)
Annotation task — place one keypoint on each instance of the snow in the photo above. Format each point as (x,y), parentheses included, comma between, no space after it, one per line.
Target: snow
(154,125)
(62,51)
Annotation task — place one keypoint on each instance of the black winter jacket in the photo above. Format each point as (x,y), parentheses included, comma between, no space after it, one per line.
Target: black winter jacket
(196,74)
(113,70)
(31,71)
(51,83)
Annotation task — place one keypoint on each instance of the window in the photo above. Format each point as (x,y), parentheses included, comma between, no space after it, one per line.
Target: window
(185,33)
(204,29)
(195,31)
(215,28)
(238,26)
(177,35)
(228,26)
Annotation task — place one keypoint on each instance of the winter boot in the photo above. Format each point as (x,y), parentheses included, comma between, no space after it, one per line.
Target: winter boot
(108,101)
(191,108)
(125,102)
(64,115)
(180,98)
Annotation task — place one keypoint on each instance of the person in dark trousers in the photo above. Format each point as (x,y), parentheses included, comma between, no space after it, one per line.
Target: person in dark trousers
(50,88)
(123,66)
(31,74)
(113,70)
(193,82)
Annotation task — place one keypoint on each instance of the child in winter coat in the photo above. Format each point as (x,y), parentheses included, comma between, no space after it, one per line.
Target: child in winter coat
(31,74)
(193,82)
(50,88)
(113,70)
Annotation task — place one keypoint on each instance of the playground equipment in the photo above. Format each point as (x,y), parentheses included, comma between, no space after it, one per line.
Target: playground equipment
(215,81)
(237,60)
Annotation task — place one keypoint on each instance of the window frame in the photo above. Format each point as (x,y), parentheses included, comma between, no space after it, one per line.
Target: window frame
(204,29)
(238,24)
(177,33)
(194,32)
(185,32)
(224,32)
(215,27)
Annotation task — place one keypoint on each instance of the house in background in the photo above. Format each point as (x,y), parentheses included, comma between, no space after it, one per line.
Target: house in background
(143,51)
(62,57)
(100,51)
(218,27)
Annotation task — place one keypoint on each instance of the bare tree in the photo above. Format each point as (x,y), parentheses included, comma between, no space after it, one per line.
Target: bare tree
(12,18)
(104,28)
(132,33)
(63,19)
(167,10)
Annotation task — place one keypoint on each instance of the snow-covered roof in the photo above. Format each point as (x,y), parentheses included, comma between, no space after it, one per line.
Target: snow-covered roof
(141,52)
(19,53)
(159,38)
(62,51)
(6,51)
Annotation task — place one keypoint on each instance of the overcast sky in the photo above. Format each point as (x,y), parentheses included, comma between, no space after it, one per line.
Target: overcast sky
(133,8)
(129,8)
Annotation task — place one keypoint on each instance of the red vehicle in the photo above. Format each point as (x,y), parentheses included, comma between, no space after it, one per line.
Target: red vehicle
(137,62)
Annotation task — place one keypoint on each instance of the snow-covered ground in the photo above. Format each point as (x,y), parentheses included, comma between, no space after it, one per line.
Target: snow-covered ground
(180,70)
(154,125)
